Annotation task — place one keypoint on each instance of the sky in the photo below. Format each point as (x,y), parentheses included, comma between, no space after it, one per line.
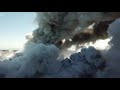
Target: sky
(13,28)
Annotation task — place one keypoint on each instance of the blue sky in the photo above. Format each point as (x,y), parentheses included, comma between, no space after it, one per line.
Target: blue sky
(13,28)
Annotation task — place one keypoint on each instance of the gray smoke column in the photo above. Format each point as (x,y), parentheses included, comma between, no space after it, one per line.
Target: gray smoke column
(56,26)
(53,27)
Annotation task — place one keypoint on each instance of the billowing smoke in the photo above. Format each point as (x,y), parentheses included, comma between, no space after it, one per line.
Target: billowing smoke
(54,27)
(35,58)
(47,52)
(112,54)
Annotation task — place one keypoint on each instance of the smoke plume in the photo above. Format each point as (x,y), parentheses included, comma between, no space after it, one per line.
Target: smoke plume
(41,55)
